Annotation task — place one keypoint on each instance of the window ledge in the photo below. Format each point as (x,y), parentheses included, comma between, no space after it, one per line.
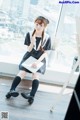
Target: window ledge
(9,66)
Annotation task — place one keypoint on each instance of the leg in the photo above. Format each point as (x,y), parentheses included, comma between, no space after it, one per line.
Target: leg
(17,79)
(35,84)
(15,83)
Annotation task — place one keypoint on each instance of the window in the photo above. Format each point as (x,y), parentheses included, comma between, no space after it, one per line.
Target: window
(18,18)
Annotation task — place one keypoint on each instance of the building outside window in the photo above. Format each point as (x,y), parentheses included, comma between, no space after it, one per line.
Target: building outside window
(17,19)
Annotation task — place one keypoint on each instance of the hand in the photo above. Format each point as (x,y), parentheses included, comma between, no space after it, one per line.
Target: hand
(34,65)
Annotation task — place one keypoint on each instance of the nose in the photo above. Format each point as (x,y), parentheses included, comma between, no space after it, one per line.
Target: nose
(38,25)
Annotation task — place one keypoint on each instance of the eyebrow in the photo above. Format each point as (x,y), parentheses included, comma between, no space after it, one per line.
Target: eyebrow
(39,23)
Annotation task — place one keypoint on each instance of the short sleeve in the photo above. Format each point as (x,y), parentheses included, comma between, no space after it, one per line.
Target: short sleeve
(48,44)
(27,39)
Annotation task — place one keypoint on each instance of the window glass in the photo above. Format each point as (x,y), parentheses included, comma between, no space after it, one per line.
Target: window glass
(66,44)
(18,18)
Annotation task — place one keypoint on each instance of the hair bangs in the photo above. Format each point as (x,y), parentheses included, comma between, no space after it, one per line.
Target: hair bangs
(39,21)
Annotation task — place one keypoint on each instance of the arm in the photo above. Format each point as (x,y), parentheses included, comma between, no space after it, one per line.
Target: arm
(31,44)
(46,47)
(44,55)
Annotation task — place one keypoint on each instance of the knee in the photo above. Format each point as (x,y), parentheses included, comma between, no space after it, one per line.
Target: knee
(35,76)
(21,74)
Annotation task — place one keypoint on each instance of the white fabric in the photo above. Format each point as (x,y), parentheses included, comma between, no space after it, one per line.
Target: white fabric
(28,64)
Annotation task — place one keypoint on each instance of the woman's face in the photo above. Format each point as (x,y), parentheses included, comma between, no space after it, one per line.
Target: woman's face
(39,27)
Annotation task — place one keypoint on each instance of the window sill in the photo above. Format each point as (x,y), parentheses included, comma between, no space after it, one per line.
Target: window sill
(9,66)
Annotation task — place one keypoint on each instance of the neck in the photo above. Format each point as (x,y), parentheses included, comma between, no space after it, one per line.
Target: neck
(38,33)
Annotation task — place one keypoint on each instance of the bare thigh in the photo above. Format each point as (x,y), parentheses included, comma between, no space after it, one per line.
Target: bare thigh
(22,74)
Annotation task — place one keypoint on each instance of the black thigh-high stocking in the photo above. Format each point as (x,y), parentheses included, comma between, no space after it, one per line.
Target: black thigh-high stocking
(35,84)
(15,82)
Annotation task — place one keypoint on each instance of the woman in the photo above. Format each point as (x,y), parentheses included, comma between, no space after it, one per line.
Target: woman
(37,43)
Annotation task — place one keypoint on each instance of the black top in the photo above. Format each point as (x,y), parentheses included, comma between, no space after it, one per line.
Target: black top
(36,52)
(37,41)
(46,45)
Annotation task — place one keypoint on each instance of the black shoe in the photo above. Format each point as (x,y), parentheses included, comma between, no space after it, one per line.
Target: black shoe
(31,100)
(8,95)
(12,93)
(28,96)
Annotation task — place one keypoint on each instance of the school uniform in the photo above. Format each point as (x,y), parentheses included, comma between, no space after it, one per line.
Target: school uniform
(36,52)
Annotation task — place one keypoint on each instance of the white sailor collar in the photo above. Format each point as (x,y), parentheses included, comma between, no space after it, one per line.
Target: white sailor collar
(46,36)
